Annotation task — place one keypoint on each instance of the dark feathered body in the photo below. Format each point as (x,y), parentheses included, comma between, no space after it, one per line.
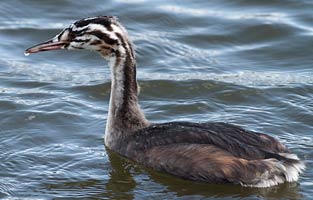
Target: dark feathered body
(208,152)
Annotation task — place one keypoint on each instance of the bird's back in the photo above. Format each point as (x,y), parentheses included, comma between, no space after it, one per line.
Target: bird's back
(212,152)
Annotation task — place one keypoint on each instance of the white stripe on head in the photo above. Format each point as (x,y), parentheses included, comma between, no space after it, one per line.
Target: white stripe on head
(75,28)
(103,29)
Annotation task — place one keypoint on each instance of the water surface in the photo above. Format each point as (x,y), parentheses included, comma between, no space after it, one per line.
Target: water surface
(242,62)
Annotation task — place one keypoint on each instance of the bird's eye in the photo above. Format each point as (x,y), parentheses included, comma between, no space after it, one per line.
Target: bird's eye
(71,36)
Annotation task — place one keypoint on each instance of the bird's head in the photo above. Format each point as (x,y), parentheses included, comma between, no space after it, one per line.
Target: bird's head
(103,34)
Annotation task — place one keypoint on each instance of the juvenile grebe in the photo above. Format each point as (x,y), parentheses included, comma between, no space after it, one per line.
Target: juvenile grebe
(209,152)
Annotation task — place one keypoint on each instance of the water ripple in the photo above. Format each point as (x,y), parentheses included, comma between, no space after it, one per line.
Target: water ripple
(246,62)
(227,14)
(244,78)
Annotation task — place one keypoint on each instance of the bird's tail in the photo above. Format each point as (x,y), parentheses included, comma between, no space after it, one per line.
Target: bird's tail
(285,167)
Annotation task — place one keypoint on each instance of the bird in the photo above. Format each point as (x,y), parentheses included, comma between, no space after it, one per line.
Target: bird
(210,152)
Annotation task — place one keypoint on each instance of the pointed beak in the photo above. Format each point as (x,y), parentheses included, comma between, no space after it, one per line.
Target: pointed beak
(47,46)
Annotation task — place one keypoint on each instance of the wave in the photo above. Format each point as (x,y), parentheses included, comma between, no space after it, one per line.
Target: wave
(50,72)
(245,78)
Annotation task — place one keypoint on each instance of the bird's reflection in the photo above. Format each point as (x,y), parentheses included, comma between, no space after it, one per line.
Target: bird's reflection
(122,184)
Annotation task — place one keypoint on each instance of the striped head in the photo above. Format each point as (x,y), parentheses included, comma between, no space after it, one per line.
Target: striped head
(103,34)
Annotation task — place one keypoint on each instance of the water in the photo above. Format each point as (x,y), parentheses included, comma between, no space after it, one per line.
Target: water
(242,62)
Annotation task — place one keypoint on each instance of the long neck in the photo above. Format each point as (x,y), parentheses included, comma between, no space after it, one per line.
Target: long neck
(125,115)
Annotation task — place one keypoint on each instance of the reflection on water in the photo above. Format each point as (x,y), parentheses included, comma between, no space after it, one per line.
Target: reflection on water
(126,180)
(121,183)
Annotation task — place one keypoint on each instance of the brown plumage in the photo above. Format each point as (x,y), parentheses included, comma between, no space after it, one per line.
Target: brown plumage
(209,152)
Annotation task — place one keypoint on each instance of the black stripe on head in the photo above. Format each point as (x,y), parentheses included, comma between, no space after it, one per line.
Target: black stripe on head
(81,40)
(70,35)
(125,45)
(60,34)
(80,32)
(103,20)
(96,42)
(103,37)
